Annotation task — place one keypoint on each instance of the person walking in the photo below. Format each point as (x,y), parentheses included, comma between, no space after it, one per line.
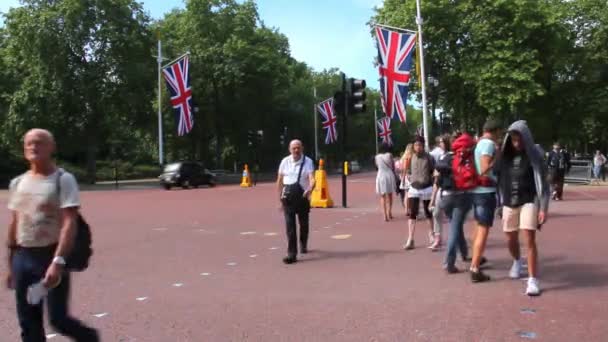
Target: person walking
(523,186)
(406,160)
(484,195)
(443,147)
(599,160)
(41,235)
(295,183)
(421,189)
(454,195)
(385,180)
(558,163)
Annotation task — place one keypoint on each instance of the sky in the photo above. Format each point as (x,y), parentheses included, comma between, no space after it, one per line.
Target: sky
(322,33)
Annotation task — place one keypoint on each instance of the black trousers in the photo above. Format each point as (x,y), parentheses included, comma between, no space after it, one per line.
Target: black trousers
(302,211)
(557,182)
(29,267)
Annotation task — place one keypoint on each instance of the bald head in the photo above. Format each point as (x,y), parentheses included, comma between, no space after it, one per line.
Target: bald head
(296,149)
(38,146)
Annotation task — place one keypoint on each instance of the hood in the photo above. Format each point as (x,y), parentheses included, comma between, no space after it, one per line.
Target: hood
(521,127)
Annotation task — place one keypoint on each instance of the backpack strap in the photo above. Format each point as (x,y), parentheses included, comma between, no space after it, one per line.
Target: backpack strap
(301,167)
(58,184)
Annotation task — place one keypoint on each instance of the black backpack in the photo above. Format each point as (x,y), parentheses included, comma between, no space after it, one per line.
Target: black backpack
(445,181)
(79,257)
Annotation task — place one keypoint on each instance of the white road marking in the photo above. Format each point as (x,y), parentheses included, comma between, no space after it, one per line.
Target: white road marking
(341,236)
(205,274)
(231,264)
(270,234)
(248,233)
(178,285)
(141,299)
(100,315)
(253,256)
(273,248)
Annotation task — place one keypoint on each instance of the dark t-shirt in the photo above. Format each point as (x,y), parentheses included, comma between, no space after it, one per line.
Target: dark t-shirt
(520,187)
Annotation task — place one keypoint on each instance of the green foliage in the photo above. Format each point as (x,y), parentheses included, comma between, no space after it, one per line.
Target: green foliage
(537,60)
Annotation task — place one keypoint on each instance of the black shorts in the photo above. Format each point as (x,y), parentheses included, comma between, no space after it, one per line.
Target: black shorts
(413,206)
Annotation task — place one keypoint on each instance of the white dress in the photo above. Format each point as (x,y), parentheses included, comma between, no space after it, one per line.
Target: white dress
(385,179)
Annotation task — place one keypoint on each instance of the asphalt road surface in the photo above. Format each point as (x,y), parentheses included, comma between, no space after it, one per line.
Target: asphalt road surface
(205,265)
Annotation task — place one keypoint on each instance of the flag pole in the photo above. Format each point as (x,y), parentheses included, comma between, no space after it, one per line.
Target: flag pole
(376,126)
(314,114)
(160,119)
(395,28)
(423,78)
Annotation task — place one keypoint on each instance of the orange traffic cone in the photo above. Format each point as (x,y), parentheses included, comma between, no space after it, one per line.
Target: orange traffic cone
(246,180)
(320,195)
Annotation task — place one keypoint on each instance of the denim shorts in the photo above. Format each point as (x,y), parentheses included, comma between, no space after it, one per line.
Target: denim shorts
(484,208)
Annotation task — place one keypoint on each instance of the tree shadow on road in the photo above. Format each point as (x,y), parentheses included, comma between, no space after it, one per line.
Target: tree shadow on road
(569,276)
(316,255)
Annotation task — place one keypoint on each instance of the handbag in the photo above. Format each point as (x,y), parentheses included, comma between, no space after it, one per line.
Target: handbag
(293,193)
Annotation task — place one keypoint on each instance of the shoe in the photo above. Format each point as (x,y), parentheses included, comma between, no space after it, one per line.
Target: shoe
(431,238)
(533,288)
(467,259)
(451,269)
(515,272)
(436,246)
(409,245)
(303,250)
(479,277)
(289,260)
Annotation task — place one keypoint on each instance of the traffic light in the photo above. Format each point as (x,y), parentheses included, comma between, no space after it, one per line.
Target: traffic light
(357,96)
(339,102)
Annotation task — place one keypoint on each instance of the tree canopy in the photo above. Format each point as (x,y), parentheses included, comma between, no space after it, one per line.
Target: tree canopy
(543,61)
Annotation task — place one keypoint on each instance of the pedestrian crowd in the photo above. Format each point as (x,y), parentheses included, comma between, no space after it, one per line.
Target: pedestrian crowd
(504,174)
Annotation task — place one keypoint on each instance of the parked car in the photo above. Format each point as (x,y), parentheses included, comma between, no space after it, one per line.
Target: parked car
(186,174)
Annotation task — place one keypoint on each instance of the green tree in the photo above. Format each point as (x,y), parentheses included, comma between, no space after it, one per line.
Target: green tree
(82,69)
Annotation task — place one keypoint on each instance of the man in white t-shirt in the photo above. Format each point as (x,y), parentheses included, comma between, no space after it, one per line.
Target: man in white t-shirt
(40,237)
(295,182)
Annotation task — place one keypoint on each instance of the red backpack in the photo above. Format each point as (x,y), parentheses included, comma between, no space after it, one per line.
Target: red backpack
(463,164)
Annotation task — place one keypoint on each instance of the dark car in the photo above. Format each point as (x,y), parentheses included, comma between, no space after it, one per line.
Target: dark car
(186,175)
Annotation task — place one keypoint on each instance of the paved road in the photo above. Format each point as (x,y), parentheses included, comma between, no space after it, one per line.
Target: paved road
(205,265)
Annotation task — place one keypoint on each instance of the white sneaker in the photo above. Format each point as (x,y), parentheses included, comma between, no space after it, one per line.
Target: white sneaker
(533,287)
(515,272)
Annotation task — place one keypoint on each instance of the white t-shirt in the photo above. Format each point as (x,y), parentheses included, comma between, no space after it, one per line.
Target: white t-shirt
(38,207)
(437,153)
(289,170)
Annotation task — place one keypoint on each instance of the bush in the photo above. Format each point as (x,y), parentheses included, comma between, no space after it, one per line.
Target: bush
(10,167)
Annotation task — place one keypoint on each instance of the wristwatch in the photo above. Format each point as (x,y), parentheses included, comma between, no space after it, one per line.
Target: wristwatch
(59,260)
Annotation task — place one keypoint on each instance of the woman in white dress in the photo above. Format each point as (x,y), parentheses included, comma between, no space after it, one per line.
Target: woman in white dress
(385,180)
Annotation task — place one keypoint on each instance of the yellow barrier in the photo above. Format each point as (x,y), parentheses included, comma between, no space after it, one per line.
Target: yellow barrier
(246,180)
(320,195)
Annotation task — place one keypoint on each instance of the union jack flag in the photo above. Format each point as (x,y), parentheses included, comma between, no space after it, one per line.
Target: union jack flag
(326,108)
(178,82)
(384,131)
(395,59)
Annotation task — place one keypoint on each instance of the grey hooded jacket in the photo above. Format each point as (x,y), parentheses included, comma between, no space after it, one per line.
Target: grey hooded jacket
(536,160)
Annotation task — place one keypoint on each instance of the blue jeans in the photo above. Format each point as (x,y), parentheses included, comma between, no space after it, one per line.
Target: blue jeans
(456,207)
(29,266)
